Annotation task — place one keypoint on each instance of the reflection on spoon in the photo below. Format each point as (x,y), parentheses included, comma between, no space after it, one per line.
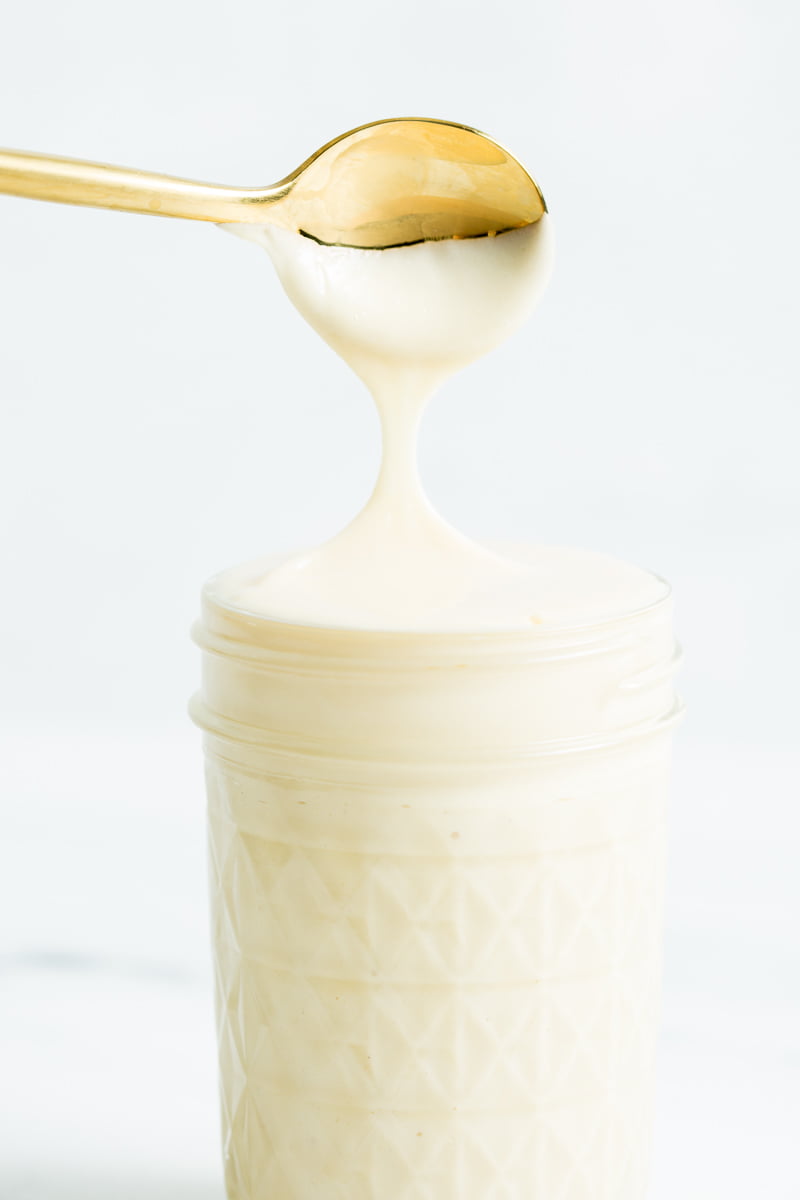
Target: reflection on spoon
(389,183)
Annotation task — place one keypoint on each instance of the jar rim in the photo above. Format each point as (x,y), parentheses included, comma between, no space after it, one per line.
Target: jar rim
(236,623)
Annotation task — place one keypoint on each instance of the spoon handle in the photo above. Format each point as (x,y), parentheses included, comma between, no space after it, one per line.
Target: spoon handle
(70,181)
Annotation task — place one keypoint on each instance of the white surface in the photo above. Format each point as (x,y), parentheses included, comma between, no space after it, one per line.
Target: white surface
(166,414)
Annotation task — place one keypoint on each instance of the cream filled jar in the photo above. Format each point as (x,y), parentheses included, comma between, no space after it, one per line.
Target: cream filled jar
(436,878)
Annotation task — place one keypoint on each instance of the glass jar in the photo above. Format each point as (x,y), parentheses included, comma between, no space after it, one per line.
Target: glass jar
(436,880)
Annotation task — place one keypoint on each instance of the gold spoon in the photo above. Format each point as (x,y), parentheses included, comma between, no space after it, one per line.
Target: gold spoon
(389,183)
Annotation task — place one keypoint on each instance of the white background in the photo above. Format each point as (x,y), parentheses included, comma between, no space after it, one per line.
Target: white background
(166,413)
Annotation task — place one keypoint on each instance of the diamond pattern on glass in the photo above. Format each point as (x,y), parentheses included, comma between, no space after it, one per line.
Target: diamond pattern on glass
(449,1024)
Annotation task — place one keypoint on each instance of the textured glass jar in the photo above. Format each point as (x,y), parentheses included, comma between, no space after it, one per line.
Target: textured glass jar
(436,879)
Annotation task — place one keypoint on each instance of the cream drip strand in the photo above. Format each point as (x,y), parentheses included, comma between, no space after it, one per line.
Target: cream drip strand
(405,320)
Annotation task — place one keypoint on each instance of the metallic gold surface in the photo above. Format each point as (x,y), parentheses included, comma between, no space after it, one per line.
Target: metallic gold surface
(388,183)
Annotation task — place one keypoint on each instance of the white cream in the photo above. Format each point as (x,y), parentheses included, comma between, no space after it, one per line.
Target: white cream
(405,319)
(436,800)
(436,869)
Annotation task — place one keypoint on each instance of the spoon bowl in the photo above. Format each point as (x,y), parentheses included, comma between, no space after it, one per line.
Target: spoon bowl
(389,183)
